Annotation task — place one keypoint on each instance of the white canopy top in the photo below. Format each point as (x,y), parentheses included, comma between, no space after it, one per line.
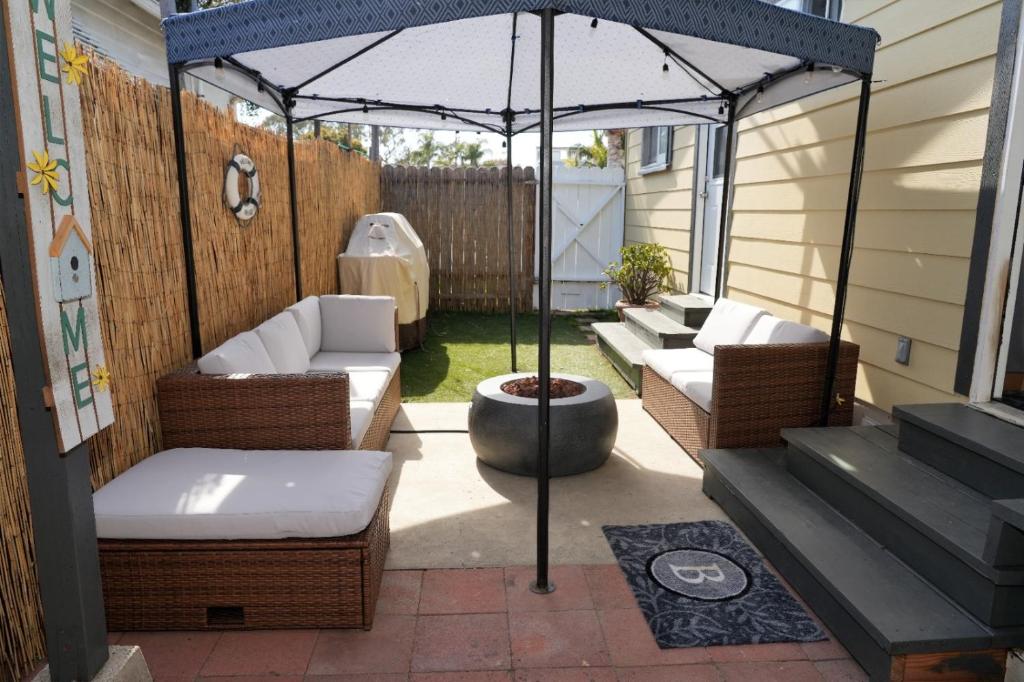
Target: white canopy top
(475,64)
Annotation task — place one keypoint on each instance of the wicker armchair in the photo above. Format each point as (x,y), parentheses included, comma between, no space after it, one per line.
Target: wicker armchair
(757,391)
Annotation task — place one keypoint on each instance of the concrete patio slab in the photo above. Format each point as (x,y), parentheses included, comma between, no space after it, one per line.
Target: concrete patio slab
(451,511)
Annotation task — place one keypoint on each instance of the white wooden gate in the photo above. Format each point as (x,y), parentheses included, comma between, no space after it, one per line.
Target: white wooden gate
(588,219)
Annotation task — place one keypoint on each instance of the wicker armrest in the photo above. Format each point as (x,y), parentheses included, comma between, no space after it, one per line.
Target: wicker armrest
(255,411)
(760,389)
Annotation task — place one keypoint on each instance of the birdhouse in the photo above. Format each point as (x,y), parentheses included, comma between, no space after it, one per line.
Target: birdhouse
(71,262)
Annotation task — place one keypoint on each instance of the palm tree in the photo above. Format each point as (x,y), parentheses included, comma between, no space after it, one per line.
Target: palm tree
(472,153)
(593,155)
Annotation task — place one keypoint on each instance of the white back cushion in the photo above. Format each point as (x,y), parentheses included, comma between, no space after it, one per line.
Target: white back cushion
(241,354)
(283,340)
(728,324)
(357,324)
(770,329)
(307,315)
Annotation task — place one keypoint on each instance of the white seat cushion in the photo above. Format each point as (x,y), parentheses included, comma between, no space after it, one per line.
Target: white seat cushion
(728,324)
(770,329)
(358,324)
(368,385)
(696,386)
(355,362)
(208,494)
(241,354)
(307,316)
(283,340)
(360,414)
(667,362)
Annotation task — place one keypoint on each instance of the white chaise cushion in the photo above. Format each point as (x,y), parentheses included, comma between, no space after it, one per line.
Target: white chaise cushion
(360,415)
(207,494)
(696,386)
(355,362)
(283,340)
(357,324)
(307,316)
(667,362)
(241,354)
(728,323)
(770,329)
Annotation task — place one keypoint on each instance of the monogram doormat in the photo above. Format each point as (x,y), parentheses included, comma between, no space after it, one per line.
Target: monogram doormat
(701,584)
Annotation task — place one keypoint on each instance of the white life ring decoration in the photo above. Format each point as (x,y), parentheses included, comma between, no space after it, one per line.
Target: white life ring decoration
(244,208)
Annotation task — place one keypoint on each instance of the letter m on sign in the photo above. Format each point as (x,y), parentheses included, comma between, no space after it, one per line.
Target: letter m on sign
(74,336)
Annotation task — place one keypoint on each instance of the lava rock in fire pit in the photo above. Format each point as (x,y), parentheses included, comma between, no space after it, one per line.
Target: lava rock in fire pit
(503,423)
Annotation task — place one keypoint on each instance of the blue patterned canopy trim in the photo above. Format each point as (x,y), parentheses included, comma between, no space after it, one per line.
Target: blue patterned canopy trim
(265,24)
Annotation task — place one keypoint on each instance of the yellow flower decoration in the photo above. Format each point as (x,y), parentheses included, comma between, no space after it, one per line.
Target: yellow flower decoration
(74,64)
(45,169)
(101,378)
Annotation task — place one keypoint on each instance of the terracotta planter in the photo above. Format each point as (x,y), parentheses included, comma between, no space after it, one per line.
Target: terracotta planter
(620,307)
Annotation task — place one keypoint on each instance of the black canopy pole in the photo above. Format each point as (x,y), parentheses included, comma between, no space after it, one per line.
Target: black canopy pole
(185,209)
(513,285)
(547,116)
(846,251)
(723,220)
(293,201)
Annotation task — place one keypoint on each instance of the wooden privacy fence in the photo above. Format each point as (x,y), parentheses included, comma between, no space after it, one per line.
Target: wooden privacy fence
(460,215)
(244,275)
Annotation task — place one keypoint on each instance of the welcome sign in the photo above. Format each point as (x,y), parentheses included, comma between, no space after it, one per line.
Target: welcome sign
(48,69)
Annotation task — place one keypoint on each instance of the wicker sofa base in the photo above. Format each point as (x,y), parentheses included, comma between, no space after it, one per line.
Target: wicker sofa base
(758,391)
(241,584)
(682,419)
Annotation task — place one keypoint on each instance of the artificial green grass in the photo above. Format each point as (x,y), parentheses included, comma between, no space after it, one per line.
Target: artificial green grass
(462,349)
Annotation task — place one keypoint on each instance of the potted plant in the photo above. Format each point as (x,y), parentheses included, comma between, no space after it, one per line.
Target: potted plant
(640,276)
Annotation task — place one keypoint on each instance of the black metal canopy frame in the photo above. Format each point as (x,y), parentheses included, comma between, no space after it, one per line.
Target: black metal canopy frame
(731,105)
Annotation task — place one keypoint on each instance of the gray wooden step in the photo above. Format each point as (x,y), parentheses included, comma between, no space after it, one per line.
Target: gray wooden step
(873,602)
(623,349)
(686,309)
(657,329)
(973,447)
(934,523)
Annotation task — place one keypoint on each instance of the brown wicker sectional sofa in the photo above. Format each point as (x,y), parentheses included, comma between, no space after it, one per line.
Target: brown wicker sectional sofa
(288,582)
(761,375)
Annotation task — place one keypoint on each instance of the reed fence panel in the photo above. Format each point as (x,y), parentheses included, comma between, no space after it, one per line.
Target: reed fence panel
(22,641)
(461,216)
(336,188)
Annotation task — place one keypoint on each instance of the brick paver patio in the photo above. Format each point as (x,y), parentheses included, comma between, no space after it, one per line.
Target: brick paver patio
(483,625)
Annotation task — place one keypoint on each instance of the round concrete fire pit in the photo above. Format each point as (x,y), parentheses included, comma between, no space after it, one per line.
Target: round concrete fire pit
(503,427)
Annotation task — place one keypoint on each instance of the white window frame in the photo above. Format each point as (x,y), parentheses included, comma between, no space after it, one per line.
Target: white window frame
(1003,268)
(661,158)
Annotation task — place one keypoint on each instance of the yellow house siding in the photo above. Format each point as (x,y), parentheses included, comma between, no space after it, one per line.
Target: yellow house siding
(658,205)
(927,126)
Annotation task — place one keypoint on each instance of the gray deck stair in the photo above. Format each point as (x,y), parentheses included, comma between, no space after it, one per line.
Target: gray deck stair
(657,329)
(873,601)
(623,349)
(934,523)
(686,309)
(984,452)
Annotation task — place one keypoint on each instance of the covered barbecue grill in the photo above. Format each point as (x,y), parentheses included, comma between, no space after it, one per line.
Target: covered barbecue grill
(385,257)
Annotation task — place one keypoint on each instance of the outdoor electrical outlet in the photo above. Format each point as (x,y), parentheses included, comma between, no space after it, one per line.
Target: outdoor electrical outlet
(903,350)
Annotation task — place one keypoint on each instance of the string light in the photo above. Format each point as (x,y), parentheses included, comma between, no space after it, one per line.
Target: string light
(809,74)
(218,63)
(593,23)
(760,94)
